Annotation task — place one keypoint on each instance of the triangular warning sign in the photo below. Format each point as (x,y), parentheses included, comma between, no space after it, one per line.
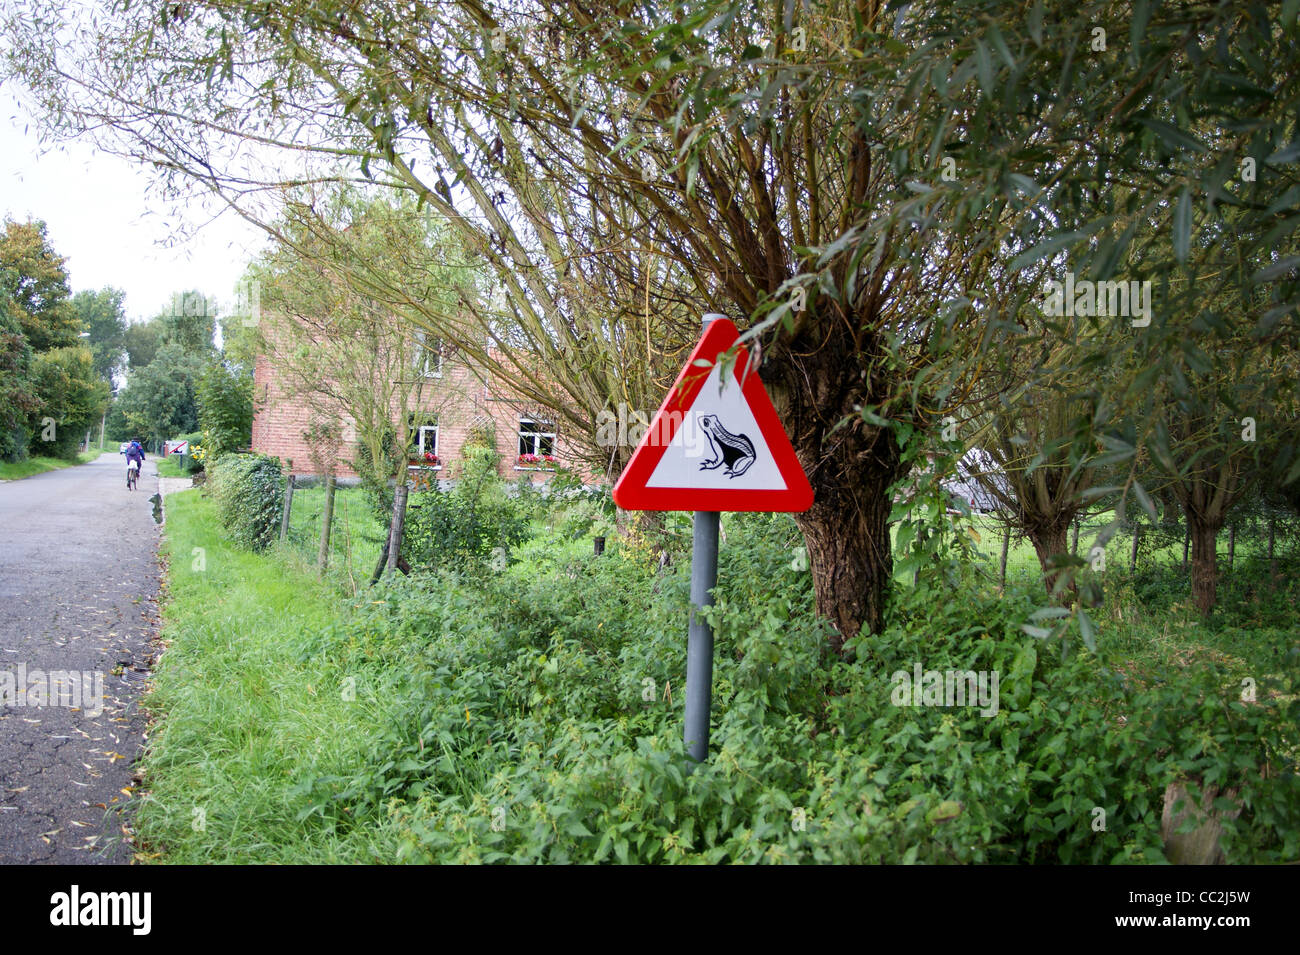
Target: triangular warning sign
(715,444)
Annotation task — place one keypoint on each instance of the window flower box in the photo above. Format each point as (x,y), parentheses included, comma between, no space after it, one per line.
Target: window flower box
(536,462)
(427,461)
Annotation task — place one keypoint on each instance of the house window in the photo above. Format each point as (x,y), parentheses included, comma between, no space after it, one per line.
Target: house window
(424,446)
(428,355)
(428,439)
(536,437)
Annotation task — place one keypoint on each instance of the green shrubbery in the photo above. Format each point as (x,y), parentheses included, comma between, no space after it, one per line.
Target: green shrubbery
(472,520)
(249,490)
(530,709)
(537,716)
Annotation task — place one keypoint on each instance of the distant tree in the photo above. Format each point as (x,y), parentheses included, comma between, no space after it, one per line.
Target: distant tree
(224,396)
(345,349)
(100,314)
(190,322)
(158,402)
(18,398)
(36,283)
(72,397)
(141,341)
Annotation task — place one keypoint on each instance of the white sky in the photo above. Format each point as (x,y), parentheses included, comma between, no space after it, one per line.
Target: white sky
(102,216)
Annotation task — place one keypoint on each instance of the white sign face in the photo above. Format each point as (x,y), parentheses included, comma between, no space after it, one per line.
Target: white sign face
(718,444)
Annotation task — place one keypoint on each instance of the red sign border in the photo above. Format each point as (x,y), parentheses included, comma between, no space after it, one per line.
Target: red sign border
(631,492)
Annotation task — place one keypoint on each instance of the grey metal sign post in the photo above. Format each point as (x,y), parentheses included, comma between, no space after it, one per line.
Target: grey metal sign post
(699,641)
(699,645)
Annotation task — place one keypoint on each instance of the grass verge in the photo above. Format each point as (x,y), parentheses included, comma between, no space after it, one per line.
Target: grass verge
(14,470)
(246,712)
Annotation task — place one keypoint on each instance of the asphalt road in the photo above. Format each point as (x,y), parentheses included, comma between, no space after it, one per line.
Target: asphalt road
(78,594)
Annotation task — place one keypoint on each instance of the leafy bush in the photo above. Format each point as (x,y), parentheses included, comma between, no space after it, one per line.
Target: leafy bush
(538,718)
(249,490)
(470,521)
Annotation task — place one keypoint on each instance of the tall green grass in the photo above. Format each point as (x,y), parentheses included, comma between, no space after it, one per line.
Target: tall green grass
(251,700)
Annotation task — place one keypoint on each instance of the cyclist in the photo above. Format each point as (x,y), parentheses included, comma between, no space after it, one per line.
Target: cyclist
(134,461)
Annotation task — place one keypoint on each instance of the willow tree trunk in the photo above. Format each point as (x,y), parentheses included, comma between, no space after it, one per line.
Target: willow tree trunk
(1049,541)
(1205,567)
(846,532)
(820,383)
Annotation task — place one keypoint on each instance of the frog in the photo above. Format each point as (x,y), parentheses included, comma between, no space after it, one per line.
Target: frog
(735,451)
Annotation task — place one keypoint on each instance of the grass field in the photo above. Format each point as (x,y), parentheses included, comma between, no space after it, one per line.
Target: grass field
(170,466)
(12,471)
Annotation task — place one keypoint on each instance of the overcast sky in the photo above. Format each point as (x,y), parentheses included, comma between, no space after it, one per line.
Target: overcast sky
(113,231)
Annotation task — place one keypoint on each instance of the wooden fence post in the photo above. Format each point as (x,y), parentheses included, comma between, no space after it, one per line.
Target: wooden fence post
(288,505)
(323,557)
(399,524)
(1006,546)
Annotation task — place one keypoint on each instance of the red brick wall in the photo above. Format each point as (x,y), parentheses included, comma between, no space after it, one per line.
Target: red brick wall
(460,400)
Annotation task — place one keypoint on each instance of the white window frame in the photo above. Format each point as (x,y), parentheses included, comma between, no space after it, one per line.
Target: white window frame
(423,356)
(420,447)
(420,439)
(536,436)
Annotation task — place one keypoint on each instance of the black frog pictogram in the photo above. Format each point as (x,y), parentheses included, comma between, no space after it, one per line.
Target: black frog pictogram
(735,451)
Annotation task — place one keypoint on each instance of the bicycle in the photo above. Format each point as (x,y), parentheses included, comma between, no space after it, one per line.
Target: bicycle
(132,475)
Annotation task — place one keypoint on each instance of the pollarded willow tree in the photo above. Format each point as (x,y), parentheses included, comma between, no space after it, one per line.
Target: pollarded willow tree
(839,178)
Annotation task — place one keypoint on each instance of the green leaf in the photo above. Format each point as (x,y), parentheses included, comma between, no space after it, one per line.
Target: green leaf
(1138,27)
(1000,44)
(1145,502)
(984,66)
(1044,249)
(1048,613)
(1285,155)
(1174,137)
(1183,226)
(1281,267)
(1035,22)
(1092,493)
(1086,631)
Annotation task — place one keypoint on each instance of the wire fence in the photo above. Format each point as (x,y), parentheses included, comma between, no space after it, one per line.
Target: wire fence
(1272,534)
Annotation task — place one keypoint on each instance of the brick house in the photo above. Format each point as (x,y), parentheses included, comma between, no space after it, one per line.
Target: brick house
(456,400)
